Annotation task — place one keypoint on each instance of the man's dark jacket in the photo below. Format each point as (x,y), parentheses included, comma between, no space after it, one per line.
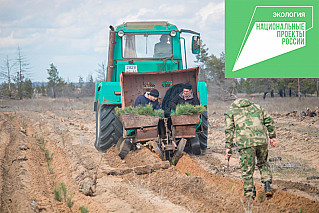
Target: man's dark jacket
(142,100)
(179,99)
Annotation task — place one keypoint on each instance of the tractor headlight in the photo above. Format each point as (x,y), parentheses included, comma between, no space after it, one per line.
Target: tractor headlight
(173,33)
(120,33)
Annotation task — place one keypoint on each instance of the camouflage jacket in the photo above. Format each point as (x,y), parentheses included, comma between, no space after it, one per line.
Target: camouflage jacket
(250,122)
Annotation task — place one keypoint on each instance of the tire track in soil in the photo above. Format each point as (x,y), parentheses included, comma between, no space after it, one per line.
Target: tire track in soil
(76,164)
(282,200)
(25,183)
(201,191)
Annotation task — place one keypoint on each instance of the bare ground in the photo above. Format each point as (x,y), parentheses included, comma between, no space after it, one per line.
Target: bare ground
(142,183)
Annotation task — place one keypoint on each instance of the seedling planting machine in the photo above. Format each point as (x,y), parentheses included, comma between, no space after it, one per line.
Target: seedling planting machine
(143,56)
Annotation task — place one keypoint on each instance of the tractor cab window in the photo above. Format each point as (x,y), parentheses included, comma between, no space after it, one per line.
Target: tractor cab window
(146,46)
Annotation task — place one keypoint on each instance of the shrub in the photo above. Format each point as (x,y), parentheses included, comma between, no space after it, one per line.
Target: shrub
(48,157)
(140,110)
(60,194)
(188,109)
(69,202)
(57,193)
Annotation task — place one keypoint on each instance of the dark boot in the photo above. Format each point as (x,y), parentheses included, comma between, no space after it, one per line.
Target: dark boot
(268,190)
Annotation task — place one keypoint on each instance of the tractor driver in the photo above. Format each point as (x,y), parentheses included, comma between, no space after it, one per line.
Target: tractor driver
(150,98)
(162,48)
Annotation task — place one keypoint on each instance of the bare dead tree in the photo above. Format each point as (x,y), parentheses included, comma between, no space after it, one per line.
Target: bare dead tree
(23,67)
(6,73)
(101,72)
(9,67)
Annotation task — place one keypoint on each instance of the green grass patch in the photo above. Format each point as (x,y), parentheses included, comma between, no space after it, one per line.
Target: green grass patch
(84,209)
(231,185)
(48,157)
(51,170)
(42,144)
(69,202)
(261,198)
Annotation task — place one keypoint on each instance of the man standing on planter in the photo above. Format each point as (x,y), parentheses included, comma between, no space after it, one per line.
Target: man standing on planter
(250,122)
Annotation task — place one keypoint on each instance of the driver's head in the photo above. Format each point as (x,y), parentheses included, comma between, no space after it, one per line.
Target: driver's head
(187,89)
(154,95)
(164,38)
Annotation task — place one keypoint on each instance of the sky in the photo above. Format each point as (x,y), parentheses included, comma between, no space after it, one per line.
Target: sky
(73,34)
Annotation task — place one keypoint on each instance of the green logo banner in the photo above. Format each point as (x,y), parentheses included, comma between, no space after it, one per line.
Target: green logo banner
(272,39)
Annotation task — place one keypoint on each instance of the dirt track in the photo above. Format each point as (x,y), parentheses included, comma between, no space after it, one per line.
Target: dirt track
(140,183)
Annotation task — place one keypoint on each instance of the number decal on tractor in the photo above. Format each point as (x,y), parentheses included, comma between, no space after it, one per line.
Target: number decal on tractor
(130,68)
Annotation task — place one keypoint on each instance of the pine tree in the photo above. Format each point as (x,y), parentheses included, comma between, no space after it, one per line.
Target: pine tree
(55,83)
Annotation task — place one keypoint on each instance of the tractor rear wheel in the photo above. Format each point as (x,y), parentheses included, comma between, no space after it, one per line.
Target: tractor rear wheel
(109,128)
(203,135)
(195,145)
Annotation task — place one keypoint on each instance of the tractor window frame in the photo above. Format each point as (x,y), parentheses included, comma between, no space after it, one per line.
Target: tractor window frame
(149,47)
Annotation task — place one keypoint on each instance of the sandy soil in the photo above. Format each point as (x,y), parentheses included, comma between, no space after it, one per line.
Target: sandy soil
(103,182)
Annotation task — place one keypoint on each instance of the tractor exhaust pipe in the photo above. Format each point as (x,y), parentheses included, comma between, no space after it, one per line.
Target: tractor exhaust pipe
(111,55)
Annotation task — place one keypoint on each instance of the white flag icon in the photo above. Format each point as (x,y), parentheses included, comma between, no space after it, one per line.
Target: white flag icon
(265,44)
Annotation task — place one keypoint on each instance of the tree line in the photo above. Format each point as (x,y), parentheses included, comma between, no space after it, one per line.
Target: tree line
(16,83)
(213,72)
(15,74)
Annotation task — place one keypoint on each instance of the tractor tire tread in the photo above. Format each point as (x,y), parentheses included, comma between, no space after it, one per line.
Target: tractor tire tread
(110,129)
(203,135)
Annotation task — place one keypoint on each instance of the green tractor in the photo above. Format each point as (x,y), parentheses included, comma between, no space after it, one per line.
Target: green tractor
(143,56)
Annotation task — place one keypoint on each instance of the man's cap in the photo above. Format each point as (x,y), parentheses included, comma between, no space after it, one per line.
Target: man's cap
(154,93)
(187,86)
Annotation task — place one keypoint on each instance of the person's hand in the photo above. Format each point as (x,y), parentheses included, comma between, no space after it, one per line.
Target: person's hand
(273,142)
(228,153)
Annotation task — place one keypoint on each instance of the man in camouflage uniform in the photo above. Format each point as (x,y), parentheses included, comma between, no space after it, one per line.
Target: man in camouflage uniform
(249,121)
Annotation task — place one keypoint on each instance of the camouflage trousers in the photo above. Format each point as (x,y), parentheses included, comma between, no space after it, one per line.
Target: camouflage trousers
(248,161)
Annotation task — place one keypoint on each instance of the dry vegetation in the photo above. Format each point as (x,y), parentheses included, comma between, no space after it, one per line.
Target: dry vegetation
(49,142)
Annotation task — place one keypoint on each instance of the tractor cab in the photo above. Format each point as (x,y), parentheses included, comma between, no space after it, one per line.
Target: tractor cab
(148,47)
(142,47)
